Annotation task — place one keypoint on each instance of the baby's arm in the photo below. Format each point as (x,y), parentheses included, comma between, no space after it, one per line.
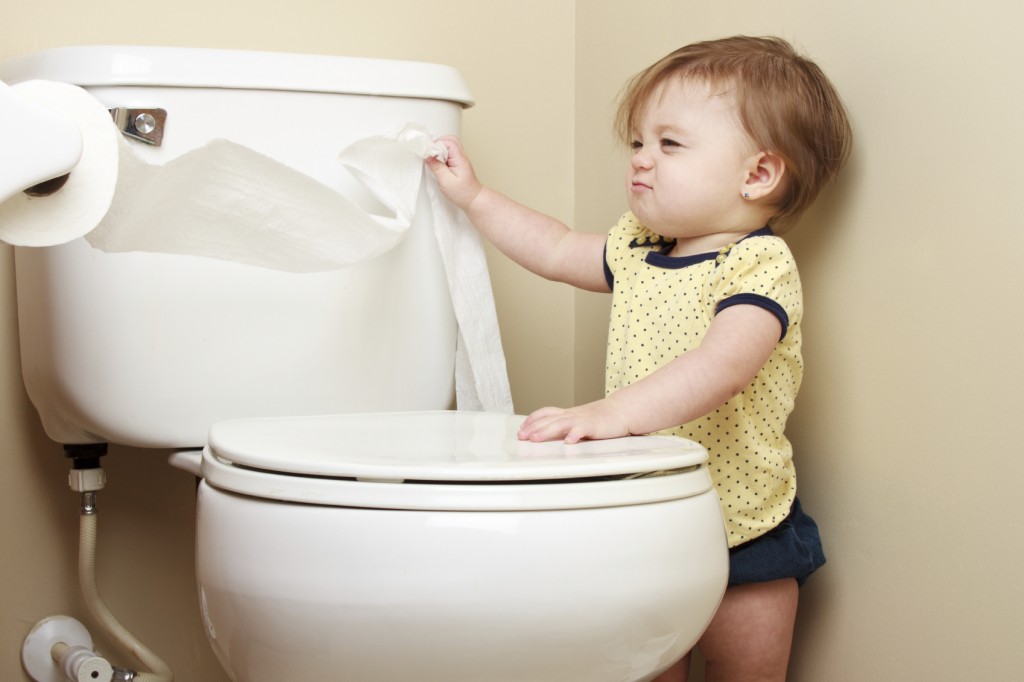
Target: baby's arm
(537,242)
(737,345)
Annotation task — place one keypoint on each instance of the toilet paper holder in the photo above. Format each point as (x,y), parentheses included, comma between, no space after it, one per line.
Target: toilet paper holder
(144,125)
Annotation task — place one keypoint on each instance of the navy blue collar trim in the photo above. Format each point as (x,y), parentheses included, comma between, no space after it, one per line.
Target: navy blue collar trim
(661,259)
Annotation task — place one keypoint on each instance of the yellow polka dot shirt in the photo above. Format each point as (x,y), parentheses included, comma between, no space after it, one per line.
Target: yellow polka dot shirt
(662,307)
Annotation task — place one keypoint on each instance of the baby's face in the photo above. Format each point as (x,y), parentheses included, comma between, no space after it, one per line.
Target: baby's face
(690,159)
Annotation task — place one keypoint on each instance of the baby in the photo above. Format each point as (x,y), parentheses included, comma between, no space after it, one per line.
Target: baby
(731,141)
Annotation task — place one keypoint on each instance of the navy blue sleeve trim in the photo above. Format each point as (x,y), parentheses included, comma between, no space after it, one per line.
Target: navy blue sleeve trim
(608,276)
(761,302)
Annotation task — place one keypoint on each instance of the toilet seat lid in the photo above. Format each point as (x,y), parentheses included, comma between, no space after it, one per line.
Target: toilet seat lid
(447,446)
(438,455)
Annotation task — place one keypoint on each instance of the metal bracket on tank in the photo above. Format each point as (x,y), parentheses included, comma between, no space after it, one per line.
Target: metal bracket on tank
(144,125)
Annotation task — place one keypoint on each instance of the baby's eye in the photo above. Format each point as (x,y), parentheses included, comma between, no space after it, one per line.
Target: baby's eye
(636,144)
(669,143)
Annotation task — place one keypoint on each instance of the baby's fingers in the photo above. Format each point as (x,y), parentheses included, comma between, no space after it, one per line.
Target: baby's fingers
(541,425)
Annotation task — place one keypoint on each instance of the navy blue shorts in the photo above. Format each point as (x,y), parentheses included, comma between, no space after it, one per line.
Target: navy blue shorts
(790,550)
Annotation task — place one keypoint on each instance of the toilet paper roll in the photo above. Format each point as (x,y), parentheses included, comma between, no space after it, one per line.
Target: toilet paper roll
(84,199)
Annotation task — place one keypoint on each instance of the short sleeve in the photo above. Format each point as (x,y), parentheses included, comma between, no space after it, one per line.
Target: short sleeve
(760,271)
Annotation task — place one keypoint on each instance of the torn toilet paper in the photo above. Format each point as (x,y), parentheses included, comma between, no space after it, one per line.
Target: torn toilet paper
(382,164)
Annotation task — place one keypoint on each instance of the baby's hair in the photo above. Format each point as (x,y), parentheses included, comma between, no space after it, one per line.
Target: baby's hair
(785,102)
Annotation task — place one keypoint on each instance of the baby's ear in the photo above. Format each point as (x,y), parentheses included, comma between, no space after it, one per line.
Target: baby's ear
(765,175)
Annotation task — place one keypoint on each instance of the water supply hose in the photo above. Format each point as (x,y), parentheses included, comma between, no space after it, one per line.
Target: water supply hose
(160,672)
(87,482)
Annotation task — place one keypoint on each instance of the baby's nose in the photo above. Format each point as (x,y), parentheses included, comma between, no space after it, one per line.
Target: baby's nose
(640,159)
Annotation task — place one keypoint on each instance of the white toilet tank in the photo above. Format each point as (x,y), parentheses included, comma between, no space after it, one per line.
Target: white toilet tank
(149,349)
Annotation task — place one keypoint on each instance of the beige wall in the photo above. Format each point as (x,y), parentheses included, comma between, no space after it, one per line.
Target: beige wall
(903,429)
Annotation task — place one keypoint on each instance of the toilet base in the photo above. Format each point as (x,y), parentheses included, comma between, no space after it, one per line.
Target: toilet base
(291,591)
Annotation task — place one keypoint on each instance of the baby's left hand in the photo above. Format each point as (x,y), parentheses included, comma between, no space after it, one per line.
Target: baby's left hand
(596,420)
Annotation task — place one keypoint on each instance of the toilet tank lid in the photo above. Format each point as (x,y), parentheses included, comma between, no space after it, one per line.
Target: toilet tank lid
(107,65)
(441,446)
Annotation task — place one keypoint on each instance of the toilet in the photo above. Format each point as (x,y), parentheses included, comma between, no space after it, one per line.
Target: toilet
(350,524)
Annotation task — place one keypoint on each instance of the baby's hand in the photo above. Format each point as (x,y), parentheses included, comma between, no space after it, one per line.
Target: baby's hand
(596,420)
(455,177)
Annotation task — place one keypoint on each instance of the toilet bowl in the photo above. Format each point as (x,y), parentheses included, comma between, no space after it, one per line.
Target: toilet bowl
(351,526)
(435,546)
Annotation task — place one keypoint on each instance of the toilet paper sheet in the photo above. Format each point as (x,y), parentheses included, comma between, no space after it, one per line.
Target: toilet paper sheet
(392,168)
(228,201)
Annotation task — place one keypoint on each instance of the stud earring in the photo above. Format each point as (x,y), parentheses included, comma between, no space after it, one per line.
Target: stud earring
(746,195)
